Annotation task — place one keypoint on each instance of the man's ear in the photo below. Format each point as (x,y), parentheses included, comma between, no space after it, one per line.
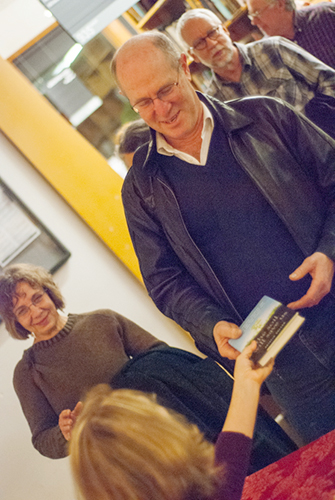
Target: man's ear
(184,65)
(193,55)
(226,29)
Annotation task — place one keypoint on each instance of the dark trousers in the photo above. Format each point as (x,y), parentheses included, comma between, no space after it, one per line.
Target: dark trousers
(305,389)
(200,390)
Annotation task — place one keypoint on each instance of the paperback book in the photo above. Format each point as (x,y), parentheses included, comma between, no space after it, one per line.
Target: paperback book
(272,325)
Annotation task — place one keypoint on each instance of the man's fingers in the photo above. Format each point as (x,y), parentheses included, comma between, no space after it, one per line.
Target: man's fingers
(227,351)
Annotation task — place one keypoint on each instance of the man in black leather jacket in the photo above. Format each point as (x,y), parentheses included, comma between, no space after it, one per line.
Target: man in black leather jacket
(227,203)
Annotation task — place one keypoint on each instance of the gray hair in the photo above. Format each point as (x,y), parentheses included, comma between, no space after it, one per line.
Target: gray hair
(194,14)
(158,40)
(289,4)
(36,277)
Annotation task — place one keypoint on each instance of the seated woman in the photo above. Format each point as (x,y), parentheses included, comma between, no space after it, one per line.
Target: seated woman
(70,354)
(125,446)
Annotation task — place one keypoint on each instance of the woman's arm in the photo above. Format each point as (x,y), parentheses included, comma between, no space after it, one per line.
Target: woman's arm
(47,437)
(242,411)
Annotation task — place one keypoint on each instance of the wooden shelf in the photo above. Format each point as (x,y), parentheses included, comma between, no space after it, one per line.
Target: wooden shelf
(163,13)
(239,26)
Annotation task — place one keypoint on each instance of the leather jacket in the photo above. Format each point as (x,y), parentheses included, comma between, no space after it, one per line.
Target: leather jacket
(291,161)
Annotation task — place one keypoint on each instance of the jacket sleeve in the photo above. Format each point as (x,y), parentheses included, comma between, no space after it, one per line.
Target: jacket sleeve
(317,153)
(47,437)
(168,282)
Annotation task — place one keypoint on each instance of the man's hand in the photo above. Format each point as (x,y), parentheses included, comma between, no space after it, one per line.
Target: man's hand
(222,332)
(67,419)
(321,268)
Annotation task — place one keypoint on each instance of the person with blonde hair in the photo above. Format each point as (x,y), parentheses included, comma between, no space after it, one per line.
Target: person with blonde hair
(125,446)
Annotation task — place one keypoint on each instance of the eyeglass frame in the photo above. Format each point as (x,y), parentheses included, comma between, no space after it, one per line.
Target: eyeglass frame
(256,14)
(209,35)
(34,302)
(171,86)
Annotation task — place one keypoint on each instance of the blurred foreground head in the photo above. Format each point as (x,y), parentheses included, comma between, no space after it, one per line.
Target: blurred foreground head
(125,446)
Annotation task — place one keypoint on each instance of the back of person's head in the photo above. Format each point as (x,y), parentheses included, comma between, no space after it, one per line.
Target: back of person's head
(36,277)
(130,137)
(125,446)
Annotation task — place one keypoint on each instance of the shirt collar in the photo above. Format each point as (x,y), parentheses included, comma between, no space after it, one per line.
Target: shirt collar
(297,22)
(245,61)
(166,149)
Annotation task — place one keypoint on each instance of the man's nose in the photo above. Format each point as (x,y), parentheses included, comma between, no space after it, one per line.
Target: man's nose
(210,43)
(161,107)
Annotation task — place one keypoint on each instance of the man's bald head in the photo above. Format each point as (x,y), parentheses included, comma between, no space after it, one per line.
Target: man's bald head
(144,46)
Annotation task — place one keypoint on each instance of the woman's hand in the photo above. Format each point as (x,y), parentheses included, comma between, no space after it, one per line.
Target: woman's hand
(67,419)
(246,370)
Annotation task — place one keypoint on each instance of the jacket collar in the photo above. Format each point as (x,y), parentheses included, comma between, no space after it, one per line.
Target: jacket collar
(229,118)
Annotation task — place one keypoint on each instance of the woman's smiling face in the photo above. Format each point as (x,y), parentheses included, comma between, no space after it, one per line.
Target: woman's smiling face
(35,311)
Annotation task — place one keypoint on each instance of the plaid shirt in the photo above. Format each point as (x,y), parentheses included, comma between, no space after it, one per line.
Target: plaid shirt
(276,67)
(315,31)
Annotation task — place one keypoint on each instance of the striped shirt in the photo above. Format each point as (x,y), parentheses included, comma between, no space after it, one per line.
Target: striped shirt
(277,67)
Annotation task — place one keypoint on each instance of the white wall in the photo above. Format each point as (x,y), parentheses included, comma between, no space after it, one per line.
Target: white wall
(15,30)
(92,278)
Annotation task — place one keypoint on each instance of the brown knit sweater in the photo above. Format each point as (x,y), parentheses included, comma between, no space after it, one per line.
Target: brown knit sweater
(54,374)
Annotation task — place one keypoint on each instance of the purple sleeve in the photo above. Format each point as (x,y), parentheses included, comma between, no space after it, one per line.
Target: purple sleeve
(232,449)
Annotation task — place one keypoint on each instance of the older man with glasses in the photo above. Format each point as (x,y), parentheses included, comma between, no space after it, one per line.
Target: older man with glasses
(273,66)
(227,203)
(312,27)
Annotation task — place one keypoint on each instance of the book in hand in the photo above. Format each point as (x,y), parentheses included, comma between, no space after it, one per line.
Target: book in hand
(272,325)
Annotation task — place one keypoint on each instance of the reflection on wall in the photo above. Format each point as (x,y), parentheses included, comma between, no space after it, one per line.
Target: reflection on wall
(77,81)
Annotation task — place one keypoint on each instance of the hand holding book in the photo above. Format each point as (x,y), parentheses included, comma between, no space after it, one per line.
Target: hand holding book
(272,325)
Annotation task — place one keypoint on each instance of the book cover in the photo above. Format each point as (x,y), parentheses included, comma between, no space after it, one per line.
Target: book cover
(272,325)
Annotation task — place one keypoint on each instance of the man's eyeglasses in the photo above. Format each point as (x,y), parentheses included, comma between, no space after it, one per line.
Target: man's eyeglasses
(23,311)
(164,94)
(201,43)
(257,13)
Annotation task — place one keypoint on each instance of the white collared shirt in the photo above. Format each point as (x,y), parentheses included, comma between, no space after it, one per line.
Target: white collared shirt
(164,148)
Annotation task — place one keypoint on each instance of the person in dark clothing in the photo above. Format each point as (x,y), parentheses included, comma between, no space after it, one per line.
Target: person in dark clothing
(312,27)
(230,202)
(124,445)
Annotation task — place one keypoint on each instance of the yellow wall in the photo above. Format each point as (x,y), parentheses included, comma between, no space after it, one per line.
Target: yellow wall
(79,173)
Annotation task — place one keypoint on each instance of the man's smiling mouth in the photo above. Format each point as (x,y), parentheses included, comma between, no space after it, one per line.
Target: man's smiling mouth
(172,120)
